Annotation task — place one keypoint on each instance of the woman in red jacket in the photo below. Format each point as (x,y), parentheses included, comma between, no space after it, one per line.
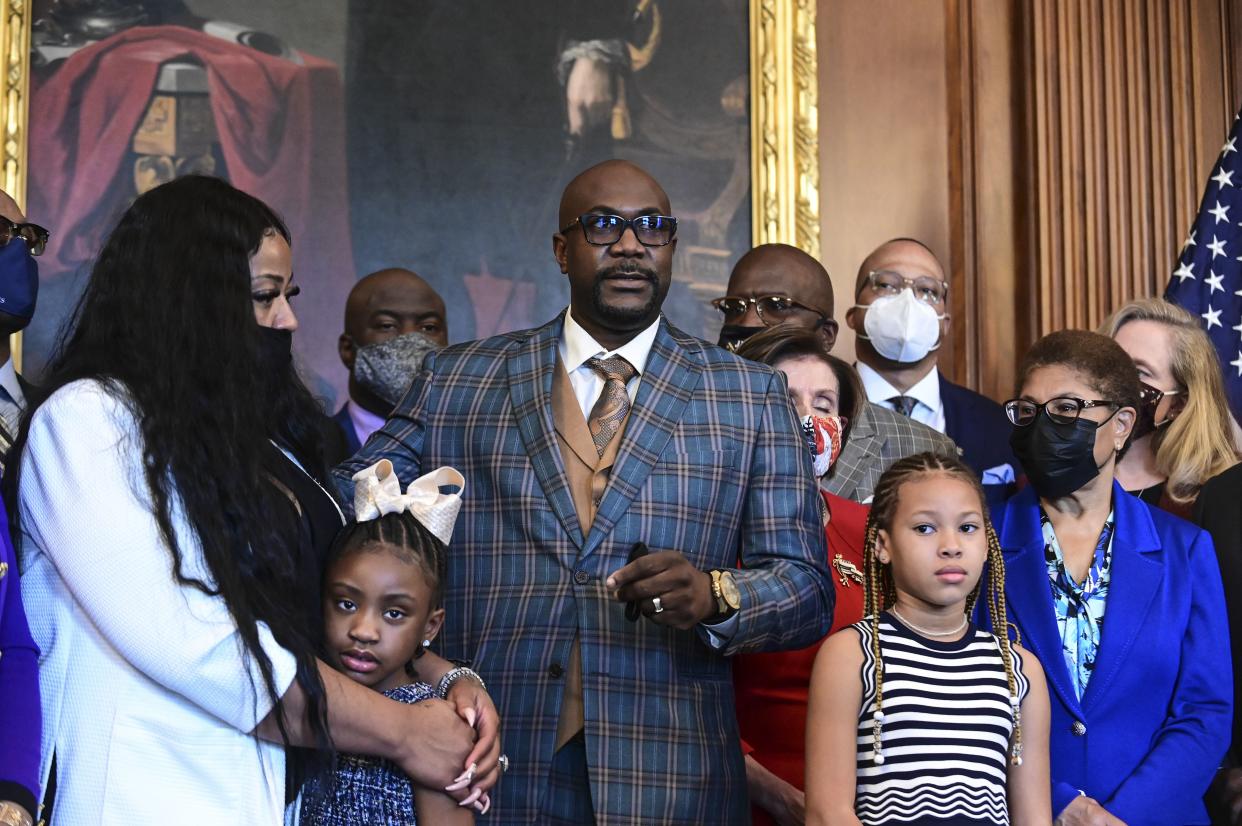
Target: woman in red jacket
(771,689)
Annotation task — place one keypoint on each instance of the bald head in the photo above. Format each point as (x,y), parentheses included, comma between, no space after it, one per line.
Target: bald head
(781,269)
(390,303)
(609,181)
(908,256)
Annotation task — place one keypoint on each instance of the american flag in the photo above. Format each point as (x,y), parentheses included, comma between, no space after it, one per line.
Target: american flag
(1208,278)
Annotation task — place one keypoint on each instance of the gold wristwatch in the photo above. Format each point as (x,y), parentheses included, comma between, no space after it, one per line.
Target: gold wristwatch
(13,815)
(724,589)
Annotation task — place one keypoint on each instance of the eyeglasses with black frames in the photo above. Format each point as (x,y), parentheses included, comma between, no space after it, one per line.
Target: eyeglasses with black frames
(34,235)
(1062,410)
(603,230)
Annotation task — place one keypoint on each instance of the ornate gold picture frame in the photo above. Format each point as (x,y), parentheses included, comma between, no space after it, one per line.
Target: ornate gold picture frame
(783,119)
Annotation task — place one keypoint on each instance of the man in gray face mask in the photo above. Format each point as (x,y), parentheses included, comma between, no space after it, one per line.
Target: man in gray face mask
(393,318)
(901,316)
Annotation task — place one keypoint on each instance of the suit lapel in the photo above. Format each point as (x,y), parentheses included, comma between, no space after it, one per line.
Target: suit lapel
(1028,592)
(861,451)
(1135,578)
(530,367)
(673,373)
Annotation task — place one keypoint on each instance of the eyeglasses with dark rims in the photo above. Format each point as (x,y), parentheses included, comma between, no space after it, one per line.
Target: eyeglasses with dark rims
(34,235)
(1062,410)
(603,230)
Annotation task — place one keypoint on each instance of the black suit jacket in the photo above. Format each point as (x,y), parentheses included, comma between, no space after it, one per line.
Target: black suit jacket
(978,426)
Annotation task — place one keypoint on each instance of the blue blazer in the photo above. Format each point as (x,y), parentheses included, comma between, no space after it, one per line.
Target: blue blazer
(978,426)
(20,712)
(1154,722)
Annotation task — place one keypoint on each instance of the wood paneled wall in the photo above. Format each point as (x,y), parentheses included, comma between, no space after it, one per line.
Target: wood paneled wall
(1077,137)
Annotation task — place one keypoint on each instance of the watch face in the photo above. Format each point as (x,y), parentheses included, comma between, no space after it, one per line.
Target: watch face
(728,590)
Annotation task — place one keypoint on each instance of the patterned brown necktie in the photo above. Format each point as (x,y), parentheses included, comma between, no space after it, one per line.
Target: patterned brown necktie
(904,404)
(614,403)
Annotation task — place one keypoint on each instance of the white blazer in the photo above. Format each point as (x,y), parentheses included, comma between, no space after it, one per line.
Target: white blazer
(148,699)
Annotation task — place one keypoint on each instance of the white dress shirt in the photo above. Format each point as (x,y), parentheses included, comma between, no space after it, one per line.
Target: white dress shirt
(364,421)
(928,408)
(576,347)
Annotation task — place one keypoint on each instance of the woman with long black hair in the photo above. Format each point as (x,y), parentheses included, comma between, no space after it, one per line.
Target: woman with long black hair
(164,485)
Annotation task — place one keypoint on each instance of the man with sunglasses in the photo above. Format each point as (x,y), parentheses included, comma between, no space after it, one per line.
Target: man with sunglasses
(613,460)
(776,284)
(20,242)
(901,316)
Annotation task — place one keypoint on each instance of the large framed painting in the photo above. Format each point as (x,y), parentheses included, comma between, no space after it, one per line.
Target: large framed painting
(434,135)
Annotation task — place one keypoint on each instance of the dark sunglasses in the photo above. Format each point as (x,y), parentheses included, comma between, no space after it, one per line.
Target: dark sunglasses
(34,235)
(604,230)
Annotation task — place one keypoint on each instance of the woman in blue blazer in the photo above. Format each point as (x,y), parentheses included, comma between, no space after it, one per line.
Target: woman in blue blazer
(1121,602)
(20,715)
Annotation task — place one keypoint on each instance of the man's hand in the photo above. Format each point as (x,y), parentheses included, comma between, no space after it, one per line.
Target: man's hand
(1227,788)
(1085,811)
(435,746)
(684,591)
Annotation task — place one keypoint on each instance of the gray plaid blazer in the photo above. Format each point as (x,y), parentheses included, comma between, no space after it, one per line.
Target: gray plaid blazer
(712,464)
(876,439)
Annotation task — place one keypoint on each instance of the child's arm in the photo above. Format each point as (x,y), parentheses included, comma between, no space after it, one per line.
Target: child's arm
(832,732)
(434,808)
(1030,785)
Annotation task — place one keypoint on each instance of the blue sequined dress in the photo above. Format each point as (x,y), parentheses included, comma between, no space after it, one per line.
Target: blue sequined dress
(365,790)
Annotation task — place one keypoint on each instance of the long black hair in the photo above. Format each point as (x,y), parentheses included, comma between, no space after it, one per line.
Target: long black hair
(166,324)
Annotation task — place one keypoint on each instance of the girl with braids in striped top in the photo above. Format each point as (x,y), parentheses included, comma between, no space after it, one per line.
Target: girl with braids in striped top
(916,714)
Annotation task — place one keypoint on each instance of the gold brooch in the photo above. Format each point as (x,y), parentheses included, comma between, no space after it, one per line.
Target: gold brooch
(846,570)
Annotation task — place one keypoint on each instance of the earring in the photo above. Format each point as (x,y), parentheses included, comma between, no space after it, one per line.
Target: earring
(423,649)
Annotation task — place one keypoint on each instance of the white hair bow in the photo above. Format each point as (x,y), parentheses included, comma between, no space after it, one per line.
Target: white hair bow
(377,492)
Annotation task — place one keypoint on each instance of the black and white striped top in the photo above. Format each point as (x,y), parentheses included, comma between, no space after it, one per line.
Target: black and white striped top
(946,729)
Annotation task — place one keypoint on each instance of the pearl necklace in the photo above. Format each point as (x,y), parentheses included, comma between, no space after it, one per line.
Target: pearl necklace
(925,632)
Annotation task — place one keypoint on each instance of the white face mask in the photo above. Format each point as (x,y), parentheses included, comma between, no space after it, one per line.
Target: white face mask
(900,327)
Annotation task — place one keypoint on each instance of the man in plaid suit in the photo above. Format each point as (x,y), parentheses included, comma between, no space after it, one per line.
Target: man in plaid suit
(605,428)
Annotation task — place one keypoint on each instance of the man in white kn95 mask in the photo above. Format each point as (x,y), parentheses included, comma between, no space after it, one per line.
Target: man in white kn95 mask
(900,316)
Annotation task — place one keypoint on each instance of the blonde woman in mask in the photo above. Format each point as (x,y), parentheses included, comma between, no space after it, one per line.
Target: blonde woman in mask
(1184,433)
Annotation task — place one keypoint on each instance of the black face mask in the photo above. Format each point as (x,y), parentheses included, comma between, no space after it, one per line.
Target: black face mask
(1058,458)
(275,349)
(732,335)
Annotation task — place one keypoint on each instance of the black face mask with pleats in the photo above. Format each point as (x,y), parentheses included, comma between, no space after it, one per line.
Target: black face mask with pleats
(1058,458)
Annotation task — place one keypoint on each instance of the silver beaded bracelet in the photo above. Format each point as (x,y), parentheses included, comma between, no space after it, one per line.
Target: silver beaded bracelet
(455,674)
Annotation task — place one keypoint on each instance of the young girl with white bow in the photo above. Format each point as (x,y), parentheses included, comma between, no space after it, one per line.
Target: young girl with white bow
(382,608)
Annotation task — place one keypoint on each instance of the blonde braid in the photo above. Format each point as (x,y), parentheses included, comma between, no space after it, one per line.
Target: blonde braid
(873,605)
(998,612)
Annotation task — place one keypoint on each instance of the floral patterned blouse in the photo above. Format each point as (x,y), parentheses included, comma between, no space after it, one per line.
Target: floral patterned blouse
(1079,607)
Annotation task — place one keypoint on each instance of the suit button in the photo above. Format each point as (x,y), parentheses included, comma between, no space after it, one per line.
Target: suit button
(556,671)
(1079,728)
(582,577)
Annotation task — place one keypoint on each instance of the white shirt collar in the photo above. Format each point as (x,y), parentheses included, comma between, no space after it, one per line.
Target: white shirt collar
(577,345)
(926,391)
(8,380)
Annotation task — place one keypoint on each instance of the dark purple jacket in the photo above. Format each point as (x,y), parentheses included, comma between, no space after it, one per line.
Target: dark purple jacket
(21,718)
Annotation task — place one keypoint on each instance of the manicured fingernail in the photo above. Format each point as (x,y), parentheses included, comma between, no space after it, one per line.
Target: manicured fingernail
(470,717)
(611,583)
(486,800)
(458,785)
(473,797)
